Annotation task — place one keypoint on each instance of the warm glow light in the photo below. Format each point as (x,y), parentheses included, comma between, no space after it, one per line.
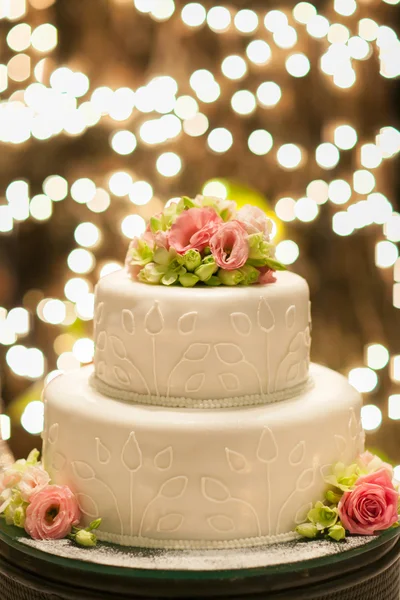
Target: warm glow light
(297,65)
(32,419)
(287,252)
(345,7)
(87,235)
(100,202)
(285,37)
(260,142)
(220,139)
(122,104)
(284,209)
(81,261)
(120,183)
(67,361)
(41,207)
(6,219)
(17,194)
(339,191)
(5,427)
(234,67)
(140,193)
(377,356)
(168,164)
(83,350)
(363,181)
(327,155)
(196,125)
(306,209)
(380,207)
(259,52)
(123,142)
(289,156)
(19,37)
(215,188)
(368,29)
(246,21)
(162,10)
(18,319)
(44,38)
(392,228)
(109,268)
(386,254)
(186,107)
(388,141)
(75,288)
(133,226)
(219,18)
(338,34)
(371,417)
(345,137)
(269,93)
(85,307)
(318,190)
(394,411)
(395,367)
(19,67)
(83,190)
(243,102)
(55,187)
(318,26)
(371,156)
(53,311)
(359,48)
(275,20)
(342,223)
(303,12)
(363,379)
(193,14)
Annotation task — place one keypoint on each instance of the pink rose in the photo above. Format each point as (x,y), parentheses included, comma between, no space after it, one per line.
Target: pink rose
(267,275)
(372,463)
(255,220)
(229,246)
(193,229)
(32,481)
(371,506)
(52,513)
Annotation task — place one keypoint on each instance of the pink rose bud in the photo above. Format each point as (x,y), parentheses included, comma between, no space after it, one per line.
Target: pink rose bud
(193,229)
(229,246)
(371,506)
(52,513)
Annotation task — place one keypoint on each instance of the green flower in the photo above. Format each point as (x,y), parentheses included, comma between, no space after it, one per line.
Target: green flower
(233,277)
(152,273)
(213,281)
(15,512)
(344,478)
(337,532)
(139,253)
(191,260)
(250,274)
(188,279)
(262,253)
(322,516)
(333,497)
(85,538)
(94,524)
(308,530)
(207,268)
(33,458)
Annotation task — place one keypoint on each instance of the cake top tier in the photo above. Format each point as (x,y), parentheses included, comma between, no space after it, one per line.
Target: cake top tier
(205,240)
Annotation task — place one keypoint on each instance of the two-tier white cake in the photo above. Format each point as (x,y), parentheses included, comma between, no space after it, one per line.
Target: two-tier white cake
(201,423)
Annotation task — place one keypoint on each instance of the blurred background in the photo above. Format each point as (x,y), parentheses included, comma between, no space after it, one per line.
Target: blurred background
(109,108)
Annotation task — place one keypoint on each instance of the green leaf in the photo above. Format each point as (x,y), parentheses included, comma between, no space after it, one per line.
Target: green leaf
(275,265)
(308,530)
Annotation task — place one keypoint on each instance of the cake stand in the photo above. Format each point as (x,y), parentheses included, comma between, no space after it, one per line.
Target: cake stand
(358,569)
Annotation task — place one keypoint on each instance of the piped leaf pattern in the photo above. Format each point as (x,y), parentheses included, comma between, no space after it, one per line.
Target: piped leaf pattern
(265,316)
(195,382)
(290,316)
(267,450)
(101,341)
(241,323)
(87,505)
(237,462)
(118,347)
(293,372)
(305,480)
(103,453)
(121,376)
(187,323)
(301,514)
(174,487)
(229,354)
(197,351)
(214,490)
(163,460)
(83,470)
(296,456)
(52,435)
(229,381)
(221,523)
(128,321)
(295,344)
(341,444)
(154,320)
(170,523)
(58,461)
(353,425)
(131,454)
(99,312)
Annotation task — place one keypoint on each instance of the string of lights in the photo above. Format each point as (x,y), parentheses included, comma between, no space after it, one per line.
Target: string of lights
(54,101)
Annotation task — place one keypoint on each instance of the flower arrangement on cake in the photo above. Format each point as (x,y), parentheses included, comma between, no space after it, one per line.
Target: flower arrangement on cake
(45,511)
(205,240)
(361,500)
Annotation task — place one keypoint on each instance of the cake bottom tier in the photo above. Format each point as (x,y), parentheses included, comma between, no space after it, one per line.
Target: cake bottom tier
(203,478)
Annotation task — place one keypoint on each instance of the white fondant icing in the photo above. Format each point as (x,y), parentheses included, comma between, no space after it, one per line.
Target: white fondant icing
(171,477)
(146,337)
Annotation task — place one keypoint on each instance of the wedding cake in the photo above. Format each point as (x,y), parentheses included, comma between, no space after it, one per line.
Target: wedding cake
(201,423)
